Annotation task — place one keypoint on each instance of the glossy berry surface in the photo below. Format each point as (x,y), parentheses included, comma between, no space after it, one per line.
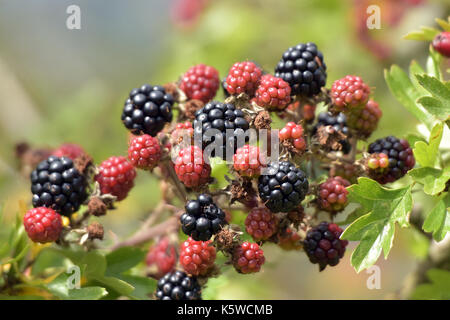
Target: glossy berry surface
(349,92)
(283,188)
(56,184)
(400,157)
(42,224)
(248,258)
(196,257)
(243,77)
(161,256)
(303,68)
(247,161)
(332,195)
(273,93)
(177,285)
(191,168)
(323,246)
(441,43)
(144,152)
(293,132)
(261,224)
(200,82)
(202,219)
(147,110)
(116,177)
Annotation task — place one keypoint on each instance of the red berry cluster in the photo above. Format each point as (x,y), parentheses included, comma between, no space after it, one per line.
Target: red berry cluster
(293,132)
(116,176)
(243,77)
(197,257)
(69,150)
(42,224)
(200,82)
(365,121)
(261,223)
(248,257)
(378,161)
(332,195)
(247,161)
(273,93)
(350,91)
(182,130)
(163,256)
(144,152)
(191,168)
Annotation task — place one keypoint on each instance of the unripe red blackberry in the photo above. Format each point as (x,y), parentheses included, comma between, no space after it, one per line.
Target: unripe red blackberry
(303,68)
(69,150)
(116,176)
(191,168)
(365,121)
(197,257)
(323,246)
(293,132)
(441,43)
(261,224)
(247,161)
(177,285)
(42,224)
(144,152)
(400,155)
(162,256)
(200,82)
(349,92)
(273,93)
(243,77)
(289,240)
(182,130)
(248,258)
(202,219)
(332,194)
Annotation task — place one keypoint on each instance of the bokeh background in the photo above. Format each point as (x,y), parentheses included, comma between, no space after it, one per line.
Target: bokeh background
(59,85)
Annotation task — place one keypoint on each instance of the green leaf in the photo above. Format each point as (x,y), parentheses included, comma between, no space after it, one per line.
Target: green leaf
(424,34)
(427,154)
(438,289)
(439,104)
(123,259)
(60,288)
(375,230)
(444,24)
(406,93)
(116,284)
(434,64)
(438,220)
(144,287)
(433,180)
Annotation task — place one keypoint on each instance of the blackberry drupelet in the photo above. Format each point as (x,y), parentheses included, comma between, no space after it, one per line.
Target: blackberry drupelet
(147,110)
(339,123)
(323,246)
(400,155)
(202,219)
(178,285)
(303,68)
(222,117)
(283,188)
(56,184)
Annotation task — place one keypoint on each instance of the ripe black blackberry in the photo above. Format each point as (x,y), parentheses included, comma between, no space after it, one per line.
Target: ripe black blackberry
(400,155)
(147,110)
(303,68)
(283,188)
(339,123)
(323,246)
(56,184)
(177,285)
(202,219)
(222,117)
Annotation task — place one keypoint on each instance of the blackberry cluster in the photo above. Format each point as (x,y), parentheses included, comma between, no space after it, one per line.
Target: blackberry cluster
(349,92)
(42,224)
(222,117)
(400,155)
(243,77)
(332,194)
(273,93)
(197,257)
(202,219)
(283,188)
(365,120)
(200,82)
(190,167)
(261,224)
(339,123)
(248,258)
(56,184)
(147,110)
(144,152)
(116,176)
(323,246)
(303,68)
(178,285)
(247,161)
